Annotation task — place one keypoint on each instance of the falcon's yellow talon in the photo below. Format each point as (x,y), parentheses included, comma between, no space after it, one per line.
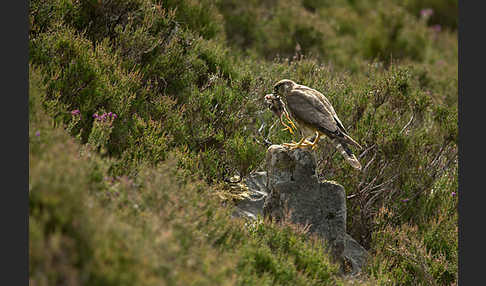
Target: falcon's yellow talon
(290,120)
(314,144)
(300,144)
(289,129)
(286,126)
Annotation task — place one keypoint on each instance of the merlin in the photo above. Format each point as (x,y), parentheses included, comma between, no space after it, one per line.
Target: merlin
(315,116)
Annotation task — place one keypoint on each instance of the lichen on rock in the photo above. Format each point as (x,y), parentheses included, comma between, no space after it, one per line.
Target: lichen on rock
(293,191)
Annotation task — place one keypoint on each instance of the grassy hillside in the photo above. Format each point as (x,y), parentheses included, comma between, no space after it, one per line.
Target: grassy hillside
(123,93)
(87,227)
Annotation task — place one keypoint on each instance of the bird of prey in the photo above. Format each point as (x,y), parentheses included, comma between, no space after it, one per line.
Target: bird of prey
(315,116)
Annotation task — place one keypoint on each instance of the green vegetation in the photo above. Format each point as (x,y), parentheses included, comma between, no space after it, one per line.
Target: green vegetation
(89,228)
(131,196)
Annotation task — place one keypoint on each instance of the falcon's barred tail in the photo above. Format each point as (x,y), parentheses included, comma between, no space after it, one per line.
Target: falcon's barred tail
(351,141)
(347,153)
(340,136)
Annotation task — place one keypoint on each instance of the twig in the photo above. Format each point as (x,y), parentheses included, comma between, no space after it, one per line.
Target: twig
(366,151)
(383,184)
(266,142)
(408,124)
(442,148)
(369,186)
(368,164)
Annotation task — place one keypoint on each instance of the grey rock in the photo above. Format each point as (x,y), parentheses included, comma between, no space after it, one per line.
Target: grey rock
(290,189)
(252,206)
(295,193)
(294,186)
(355,254)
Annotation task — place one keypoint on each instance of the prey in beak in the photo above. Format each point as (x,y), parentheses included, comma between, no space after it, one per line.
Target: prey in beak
(277,106)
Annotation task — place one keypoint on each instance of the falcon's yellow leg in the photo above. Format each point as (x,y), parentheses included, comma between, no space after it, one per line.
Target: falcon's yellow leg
(300,144)
(314,144)
(304,143)
(290,120)
(286,126)
(292,145)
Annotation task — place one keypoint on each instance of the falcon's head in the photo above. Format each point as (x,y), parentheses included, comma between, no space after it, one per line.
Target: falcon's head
(283,87)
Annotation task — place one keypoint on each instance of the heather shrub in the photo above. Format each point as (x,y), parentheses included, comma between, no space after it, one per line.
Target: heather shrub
(444,13)
(44,14)
(391,115)
(326,31)
(101,131)
(98,19)
(90,80)
(186,81)
(393,33)
(423,253)
(200,16)
(151,228)
(403,157)
(283,32)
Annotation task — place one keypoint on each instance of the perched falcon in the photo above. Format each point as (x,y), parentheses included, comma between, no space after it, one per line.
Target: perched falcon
(315,116)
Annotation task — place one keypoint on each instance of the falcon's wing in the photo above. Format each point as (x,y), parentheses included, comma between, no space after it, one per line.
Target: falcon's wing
(310,109)
(340,124)
(326,103)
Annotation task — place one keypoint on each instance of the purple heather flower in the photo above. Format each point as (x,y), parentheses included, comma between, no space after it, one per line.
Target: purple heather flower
(110,113)
(95,115)
(114,115)
(436,28)
(37,133)
(75,112)
(405,200)
(453,194)
(108,178)
(425,13)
